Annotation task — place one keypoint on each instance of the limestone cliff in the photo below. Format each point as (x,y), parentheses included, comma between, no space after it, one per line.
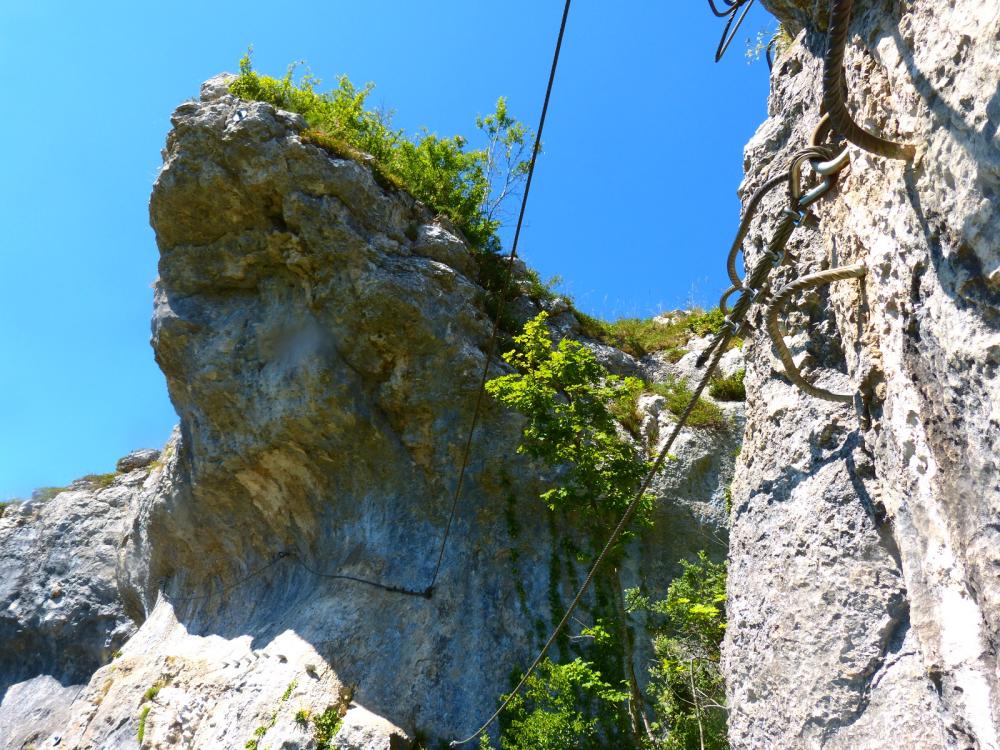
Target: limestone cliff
(322,338)
(864,589)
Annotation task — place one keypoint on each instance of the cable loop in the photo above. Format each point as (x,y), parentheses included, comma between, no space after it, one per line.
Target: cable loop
(781,299)
(724,300)
(744,227)
(732,9)
(835,90)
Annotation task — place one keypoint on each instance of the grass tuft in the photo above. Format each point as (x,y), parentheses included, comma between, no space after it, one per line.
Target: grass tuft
(677,393)
(101,481)
(142,723)
(729,387)
(153,690)
(641,337)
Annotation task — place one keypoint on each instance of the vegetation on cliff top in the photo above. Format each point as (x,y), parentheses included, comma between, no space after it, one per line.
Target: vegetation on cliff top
(468,186)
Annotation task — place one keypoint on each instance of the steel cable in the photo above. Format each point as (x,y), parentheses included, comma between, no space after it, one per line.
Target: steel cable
(491,351)
(835,90)
(425,593)
(748,214)
(730,13)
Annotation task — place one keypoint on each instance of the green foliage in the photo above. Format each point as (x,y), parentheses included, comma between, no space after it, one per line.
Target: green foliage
(571,404)
(729,387)
(558,709)
(706,323)
(570,401)
(687,684)
(142,723)
(302,717)
(101,481)
(638,337)
(325,727)
(468,186)
(505,161)
(625,407)
(677,394)
(153,690)
(756,47)
(4,504)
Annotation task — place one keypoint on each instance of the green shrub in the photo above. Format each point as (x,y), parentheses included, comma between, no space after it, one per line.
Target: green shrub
(558,709)
(677,394)
(686,682)
(468,186)
(570,401)
(325,727)
(706,323)
(729,387)
(625,407)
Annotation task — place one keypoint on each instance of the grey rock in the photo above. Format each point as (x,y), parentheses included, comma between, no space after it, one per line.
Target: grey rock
(217,87)
(363,730)
(864,605)
(138,459)
(35,711)
(61,616)
(323,340)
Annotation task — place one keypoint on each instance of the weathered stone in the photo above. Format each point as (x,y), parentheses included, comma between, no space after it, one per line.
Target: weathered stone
(864,598)
(323,341)
(60,613)
(137,459)
(363,730)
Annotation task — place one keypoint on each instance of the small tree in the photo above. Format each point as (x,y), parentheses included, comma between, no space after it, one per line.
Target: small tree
(570,401)
(505,159)
(687,683)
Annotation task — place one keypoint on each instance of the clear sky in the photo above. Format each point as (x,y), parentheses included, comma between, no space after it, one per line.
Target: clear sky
(634,201)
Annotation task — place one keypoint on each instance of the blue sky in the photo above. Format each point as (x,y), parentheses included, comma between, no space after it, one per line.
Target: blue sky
(633,205)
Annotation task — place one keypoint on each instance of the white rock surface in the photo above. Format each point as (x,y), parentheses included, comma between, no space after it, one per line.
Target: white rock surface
(864,596)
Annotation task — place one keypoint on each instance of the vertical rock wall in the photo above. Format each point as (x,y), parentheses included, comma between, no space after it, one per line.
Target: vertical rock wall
(323,338)
(865,558)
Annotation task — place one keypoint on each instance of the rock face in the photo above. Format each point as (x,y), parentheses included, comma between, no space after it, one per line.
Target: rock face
(61,616)
(864,605)
(322,340)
